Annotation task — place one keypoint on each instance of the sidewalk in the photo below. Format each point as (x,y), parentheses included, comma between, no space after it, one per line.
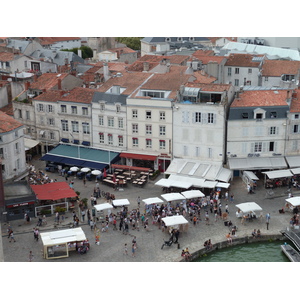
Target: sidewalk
(149,243)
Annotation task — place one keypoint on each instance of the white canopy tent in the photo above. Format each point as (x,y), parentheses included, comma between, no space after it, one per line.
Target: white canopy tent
(153,200)
(295,171)
(192,194)
(103,206)
(248,207)
(173,197)
(294,201)
(174,220)
(278,174)
(120,202)
(163,182)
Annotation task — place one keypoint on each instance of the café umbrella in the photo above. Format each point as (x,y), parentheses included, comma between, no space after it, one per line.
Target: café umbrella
(74,169)
(96,172)
(85,170)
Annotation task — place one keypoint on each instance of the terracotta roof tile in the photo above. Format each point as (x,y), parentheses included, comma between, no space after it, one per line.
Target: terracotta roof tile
(47,81)
(261,98)
(276,68)
(295,104)
(6,56)
(79,95)
(206,59)
(129,81)
(50,96)
(8,123)
(242,60)
(210,87)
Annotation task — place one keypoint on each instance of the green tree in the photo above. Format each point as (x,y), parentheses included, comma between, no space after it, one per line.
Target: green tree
(86,51)
(131,42)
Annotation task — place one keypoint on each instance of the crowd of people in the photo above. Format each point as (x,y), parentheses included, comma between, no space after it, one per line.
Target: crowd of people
(38,176)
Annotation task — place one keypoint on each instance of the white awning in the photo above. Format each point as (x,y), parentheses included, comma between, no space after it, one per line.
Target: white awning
(278,174)
(250,175)
(248,207)
(174,220)
(169,182)
(29,143)
(293,161)
(224,185)
(294,201)
(224,175)
(103,206)
(153,200)
(173,196)
(295,171)
(163,182)
(192,194)
(62,236)
(120,202)
(256,163)
(209,184)
(196,182)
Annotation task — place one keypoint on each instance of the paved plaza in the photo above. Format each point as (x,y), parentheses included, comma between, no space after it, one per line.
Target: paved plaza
(111,248)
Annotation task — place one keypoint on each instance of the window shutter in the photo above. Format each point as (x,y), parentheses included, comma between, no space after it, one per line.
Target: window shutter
(264,146)
(252,147)
(193,117)
(204,118)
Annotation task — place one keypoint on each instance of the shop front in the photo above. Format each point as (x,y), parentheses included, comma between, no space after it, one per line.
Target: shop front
(16,208)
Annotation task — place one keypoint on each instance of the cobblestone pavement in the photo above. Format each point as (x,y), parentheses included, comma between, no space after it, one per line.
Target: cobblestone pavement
(149,243)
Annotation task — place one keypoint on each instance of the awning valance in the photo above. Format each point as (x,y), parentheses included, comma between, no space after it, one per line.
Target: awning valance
(138,156)
(279,174)
(131,168)
(256,163)
(293,161)
(29,143)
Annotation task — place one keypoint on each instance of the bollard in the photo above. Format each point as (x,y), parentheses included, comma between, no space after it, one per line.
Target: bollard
(178,246)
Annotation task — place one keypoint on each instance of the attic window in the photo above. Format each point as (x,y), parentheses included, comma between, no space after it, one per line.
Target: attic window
(273,114)
(245,115)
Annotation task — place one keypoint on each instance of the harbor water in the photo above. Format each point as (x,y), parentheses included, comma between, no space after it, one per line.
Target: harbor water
(254,252)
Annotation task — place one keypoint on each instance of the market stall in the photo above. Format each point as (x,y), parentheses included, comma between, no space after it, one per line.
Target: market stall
(247,208)
(100,208)
(120,202)
(173,197)
(57,244)
(176,222)
(192,194)
(293,202)
(153,200)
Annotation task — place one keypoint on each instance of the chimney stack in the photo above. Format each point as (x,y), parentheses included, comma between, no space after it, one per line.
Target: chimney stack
(59,84)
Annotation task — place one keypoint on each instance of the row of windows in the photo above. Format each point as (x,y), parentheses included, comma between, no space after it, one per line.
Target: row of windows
(148,114)
(111,122)
(236,71)
(260,131)
(162,143)
(148,128)
(75,126)
(199,117)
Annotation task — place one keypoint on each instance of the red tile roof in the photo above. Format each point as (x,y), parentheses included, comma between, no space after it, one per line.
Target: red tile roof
(210,87)
(130,81)
(47,81)
(295,103)
(79,95)
(206,59)
(50,96)
(8,123)
(6,56)
(52,40)
(261,98)
(242,60)
(276,68)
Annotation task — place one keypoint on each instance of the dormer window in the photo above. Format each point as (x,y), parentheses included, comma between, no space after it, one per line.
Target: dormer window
(245,115)
(259,114)
(273,114)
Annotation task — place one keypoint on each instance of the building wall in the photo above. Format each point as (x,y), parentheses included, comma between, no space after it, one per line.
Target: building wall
(117,130)
(199,139)
(12,153)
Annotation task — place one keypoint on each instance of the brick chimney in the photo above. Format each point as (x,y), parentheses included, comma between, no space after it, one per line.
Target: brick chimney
(27,85)
(59,84)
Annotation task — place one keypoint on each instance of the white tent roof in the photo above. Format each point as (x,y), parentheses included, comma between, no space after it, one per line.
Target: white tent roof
(251,175)
(103,206)
(223,185)
(176,183)
(62,236)
(121,202)
(293,161)
(295,201)
(174,220)
(173,196)
(29,143)
(295,170)
(152,200)
(248,207)
(192,194)
(278,174)
(163,182)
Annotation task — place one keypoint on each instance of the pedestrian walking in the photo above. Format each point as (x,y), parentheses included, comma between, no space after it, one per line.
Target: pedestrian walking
(226,208)
(92,224)
(30,257)
(84,181)
(206,218)
(231,198)
(226,196)
(268,217)
(133,248)
(12,238)
(125,249)
(36,234)
(83,215)
(138,201)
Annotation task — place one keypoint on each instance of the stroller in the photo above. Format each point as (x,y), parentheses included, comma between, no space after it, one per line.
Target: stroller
(167,243)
